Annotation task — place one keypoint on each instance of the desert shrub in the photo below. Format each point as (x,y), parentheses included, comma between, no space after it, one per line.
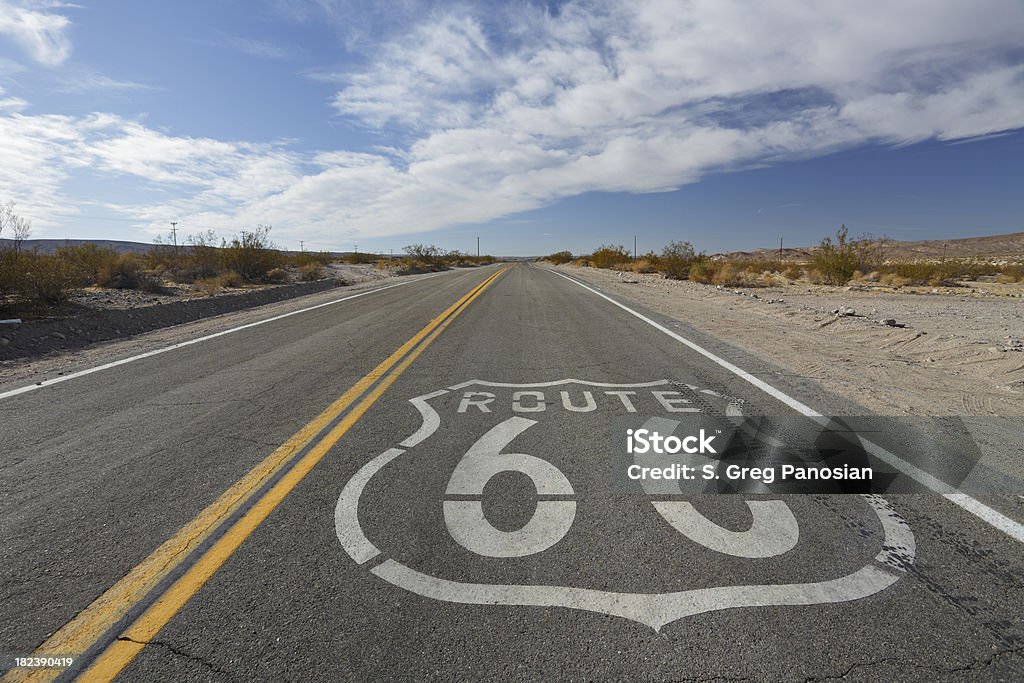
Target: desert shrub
(251,254)
(277,276)
(358,257)
(121,272)
(726,275)
(608,256)
(424,253)
(836,261)
(676,259)
(8,272)
(45,279)
(702,271)
(322,258)
(231,279)
(160,257)
(311,272)
(792,272)
(212,286)
(203,258)
(641,265)
(560,257)
(88,260)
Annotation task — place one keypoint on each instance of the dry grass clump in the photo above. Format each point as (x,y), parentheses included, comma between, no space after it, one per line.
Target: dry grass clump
(212,286)
(278,276)
(311,272)
(893,280)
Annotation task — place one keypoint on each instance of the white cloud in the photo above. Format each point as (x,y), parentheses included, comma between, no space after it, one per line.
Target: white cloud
(510,108)
(11,103)
(38,30)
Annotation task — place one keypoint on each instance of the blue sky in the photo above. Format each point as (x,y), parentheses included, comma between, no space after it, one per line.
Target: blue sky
(536,126)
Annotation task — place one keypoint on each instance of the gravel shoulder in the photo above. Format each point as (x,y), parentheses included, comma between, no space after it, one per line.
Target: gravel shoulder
(958,351)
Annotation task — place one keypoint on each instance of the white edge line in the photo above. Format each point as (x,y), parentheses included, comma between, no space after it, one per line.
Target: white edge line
(1010,527)
(190,342)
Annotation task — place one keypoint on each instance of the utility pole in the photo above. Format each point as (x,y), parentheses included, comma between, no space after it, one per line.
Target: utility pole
(478,247)
(780,248)
(174,240)
(943,252)
(634,247)
(302,246)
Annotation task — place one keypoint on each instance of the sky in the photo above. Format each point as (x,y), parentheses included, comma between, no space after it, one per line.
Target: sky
(535,126)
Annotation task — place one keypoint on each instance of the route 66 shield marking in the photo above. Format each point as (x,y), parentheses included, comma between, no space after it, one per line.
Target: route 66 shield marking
(498,418)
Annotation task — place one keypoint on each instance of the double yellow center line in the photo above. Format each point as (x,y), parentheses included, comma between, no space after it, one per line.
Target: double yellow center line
(199,549)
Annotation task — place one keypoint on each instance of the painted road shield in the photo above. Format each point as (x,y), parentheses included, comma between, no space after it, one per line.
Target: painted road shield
(507,494)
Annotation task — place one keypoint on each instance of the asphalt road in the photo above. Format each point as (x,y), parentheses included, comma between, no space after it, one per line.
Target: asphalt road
(460,513)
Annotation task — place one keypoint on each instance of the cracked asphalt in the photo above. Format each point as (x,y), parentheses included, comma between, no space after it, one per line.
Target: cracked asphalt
(98,471)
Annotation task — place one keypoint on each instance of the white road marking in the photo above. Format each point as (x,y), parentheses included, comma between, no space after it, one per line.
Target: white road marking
(659,609)
(654,609)
(774,530)
(197,340)
(469,528)
(431,420)
(465,518)
(998,520)
(346,512)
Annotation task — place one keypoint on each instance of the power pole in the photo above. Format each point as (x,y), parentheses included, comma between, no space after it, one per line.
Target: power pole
(780,248)
(302,246)
(634,247)
(174,240)
(478,247)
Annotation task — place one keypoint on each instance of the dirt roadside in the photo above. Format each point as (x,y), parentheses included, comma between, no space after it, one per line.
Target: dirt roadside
(960,352)
(58,362)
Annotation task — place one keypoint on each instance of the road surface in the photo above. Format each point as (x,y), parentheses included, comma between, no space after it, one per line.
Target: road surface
(420,482)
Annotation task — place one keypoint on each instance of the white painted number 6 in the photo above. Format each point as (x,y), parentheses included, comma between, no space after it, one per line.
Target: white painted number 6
(465,518)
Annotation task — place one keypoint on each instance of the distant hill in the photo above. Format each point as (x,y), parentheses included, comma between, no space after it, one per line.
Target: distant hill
(1010,245)
(50,246)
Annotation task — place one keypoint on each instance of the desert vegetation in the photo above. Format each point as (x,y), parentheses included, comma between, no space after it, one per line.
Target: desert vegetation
(426,258)
(838,260)
(203,264)
(30,279)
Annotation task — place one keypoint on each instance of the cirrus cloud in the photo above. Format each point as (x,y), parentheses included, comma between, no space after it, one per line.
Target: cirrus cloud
(38,30)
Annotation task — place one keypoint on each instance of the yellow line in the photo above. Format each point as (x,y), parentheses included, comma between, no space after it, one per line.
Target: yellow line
(80,633)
